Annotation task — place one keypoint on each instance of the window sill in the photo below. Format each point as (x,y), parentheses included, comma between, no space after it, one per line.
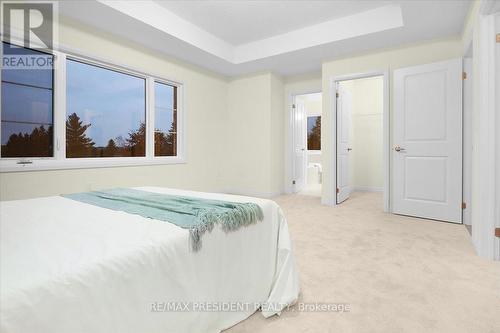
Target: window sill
(10,165)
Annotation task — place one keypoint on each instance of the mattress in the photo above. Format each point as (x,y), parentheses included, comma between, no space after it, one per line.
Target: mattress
(67,266)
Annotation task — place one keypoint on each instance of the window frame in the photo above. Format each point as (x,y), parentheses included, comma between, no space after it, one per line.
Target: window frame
(153,115)
(59,160)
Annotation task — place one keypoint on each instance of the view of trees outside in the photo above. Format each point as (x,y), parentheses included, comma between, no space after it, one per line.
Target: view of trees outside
(80,145)
(38,143)
(27,113)
(314,133)
(106,112)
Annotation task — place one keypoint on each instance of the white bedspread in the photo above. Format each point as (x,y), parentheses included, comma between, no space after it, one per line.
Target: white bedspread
(67,267)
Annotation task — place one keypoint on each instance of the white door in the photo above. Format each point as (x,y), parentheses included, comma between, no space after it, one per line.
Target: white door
(344,107)
(427,155)
(299,138)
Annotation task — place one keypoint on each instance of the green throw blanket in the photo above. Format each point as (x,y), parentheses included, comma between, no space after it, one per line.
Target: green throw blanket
(196,214)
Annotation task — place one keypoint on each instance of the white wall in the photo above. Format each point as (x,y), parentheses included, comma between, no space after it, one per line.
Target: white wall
(390,59)
(366,133)
(205,103)
(277,136)
(246,165)
(255,134)
(313,104)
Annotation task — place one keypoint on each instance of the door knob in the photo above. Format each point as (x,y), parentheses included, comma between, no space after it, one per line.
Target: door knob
(398,149)
(349,149)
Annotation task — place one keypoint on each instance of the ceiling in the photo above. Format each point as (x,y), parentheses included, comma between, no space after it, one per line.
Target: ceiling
(287,37)
(239,22)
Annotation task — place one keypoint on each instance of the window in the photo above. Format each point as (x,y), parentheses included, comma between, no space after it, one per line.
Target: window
(27,108)
(165,120)
(105,112)
(314,133)
(82,113)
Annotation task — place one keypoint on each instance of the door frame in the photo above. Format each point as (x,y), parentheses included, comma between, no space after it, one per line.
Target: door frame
(486,211)
(386,131)
(467,114)
(289,187)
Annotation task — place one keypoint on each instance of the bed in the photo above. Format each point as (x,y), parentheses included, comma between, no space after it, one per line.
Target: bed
(67,266)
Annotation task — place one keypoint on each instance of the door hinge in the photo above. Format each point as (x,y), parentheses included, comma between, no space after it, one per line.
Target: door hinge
(498,38)
(464,205)
(464,75)
(293,106)
(337,94)
(293,182)
(497,232)
(338,190)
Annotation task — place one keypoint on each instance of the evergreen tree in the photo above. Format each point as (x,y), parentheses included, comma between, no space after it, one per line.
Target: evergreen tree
(111,149)
(314,137)
(136,141)
(77,142)
(41,141)
(166,142)
(38,143)
(172,139)
(160,143)
(16,146)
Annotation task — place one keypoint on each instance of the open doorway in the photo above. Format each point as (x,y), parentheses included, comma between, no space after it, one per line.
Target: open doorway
(360,138)
(307,165)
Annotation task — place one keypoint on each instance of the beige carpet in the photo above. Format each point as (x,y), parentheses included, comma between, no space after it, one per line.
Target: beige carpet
(312,189)
(399,274)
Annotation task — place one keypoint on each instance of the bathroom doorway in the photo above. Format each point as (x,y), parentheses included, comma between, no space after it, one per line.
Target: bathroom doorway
(359,144)
(307,163)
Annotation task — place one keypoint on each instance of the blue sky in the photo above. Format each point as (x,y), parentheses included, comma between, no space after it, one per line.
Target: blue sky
(164,106)
(113,103)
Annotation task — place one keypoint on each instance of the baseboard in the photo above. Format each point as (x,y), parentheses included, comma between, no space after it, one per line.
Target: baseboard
(366,189)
